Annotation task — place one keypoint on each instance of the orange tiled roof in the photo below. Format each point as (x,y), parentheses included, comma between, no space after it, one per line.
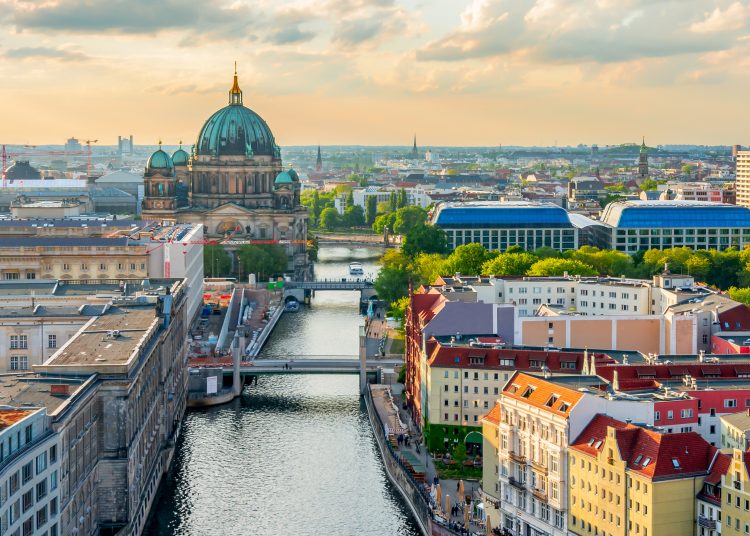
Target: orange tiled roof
(647,452)
(494,415)
(539,392)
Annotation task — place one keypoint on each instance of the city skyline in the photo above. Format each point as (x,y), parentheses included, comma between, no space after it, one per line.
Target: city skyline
(373,72)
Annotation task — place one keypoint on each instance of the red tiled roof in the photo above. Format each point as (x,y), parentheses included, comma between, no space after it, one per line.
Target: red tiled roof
(541,393)
(718,468)
(494,415)
(443,355)
(647,452)
(632,377)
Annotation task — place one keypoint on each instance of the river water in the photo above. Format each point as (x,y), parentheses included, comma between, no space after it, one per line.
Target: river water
(294,455)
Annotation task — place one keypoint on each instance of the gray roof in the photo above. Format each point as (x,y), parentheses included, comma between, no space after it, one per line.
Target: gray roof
(33,241)
(119,177)
(66,223)
(739,420)
(108,191)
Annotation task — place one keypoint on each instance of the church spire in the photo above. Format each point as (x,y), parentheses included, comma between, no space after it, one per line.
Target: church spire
(319,161)
(414,150)
(235,94)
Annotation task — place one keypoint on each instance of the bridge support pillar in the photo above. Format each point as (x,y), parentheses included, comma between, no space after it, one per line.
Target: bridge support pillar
(362,359)
(236,379)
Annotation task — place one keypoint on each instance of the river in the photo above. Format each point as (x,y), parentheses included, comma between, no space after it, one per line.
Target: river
(294,455)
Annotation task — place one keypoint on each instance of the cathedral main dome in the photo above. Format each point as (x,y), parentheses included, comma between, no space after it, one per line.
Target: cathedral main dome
(236,130)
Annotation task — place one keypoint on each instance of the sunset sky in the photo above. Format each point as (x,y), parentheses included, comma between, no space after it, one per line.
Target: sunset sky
(371,72)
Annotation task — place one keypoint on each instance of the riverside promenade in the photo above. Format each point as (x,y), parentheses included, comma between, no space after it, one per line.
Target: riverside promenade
(411,469)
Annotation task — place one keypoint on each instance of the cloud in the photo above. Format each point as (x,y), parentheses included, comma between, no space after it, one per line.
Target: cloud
(718,20)
(135,17)
(291,35)
(23,53)
(570,31)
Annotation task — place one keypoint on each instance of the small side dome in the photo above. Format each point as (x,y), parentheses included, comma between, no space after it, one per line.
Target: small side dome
(293,175)
(283,178)
(160,162)
(180,157)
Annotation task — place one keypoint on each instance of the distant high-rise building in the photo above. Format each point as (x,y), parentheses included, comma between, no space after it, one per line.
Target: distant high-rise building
(73,146)
(319,161)
(643,161)
(736,149)
(742,180)
(414,150)
(125,146)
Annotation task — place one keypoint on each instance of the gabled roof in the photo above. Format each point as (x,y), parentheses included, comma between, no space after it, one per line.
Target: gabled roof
(494,415)
(720,467)
(647,452)
(541,393)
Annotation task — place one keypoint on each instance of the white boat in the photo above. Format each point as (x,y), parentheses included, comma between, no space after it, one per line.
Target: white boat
(355,268)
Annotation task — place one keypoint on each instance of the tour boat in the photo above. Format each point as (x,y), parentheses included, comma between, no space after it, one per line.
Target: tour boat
(355,268)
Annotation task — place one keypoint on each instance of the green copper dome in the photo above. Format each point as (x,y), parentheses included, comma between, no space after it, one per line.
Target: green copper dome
(180,157)
(161,162)
(283,178)
(236,130)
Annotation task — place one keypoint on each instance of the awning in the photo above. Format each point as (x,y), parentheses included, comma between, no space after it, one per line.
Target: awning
(473,437)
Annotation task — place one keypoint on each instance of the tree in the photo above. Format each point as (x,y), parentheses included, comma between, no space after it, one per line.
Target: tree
(402,198)
(741,295)
(371,209)
(609,198)
(468,259)
(264,260)
(383,221)
(329,219)
(424,238)
(393,202)
(216,261)
(392,284)
(354,216)
(605,262)
(546,252)
(407,218)
(350,199)
(509,264)
(649,185)
(427,267)
(551,266)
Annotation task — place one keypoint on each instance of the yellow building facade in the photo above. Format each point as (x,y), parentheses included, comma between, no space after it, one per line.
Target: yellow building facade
(626,480)
(735,507)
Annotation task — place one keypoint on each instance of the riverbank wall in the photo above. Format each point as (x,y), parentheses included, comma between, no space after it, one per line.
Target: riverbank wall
(412,492)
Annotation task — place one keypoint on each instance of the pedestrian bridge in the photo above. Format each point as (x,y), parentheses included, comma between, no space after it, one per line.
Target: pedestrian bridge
(331,284)
(260,367)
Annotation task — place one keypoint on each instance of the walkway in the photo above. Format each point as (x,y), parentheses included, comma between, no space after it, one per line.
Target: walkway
(296,366)
(447,487)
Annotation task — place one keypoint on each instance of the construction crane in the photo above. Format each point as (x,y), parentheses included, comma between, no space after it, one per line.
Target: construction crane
(6,156)
(88,147)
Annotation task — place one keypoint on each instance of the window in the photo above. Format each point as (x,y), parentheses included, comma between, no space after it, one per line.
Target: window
(84,267)
(14,483)
(41,490)
(686,413)
(52,341)
(41,460)
(41,517)
(53,454)
(19,362)
(103,267)
(27,472)
(670,414)
(657,415)
(19,342)
(53,506)
(27,500)
(53,481)
(730,403)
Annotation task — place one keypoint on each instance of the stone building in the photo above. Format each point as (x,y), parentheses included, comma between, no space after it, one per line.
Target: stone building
(236,184)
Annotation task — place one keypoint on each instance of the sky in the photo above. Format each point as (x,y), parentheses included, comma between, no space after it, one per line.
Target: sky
(376,72)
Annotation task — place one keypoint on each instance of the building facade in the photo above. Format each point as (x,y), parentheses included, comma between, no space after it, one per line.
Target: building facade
(742,178)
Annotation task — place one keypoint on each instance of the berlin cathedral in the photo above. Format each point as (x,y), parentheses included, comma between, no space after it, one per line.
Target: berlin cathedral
(233,183)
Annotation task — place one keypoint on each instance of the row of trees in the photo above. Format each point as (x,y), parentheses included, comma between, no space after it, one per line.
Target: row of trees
(264,260)
(424,257)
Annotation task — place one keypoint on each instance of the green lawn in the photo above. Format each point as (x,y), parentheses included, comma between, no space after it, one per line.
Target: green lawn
(397,346)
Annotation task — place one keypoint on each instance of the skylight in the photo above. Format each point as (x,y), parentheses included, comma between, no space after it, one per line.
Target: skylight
(646,462)
(591,441)
(597,444)
(638,459)
(676,463)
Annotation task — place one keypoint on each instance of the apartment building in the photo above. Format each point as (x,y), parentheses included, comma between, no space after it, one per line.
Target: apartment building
(708,500)
(538,419)
(742,178)
(735,430)
(735,505)
(491,464)
(30,473)
(627,479)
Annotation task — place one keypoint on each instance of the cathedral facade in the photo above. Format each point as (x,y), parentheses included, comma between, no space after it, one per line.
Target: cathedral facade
(234,183)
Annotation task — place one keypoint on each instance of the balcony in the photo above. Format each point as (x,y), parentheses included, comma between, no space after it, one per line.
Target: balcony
(520,458)
(710,524)
(517,483)
(539,494)
(539,468)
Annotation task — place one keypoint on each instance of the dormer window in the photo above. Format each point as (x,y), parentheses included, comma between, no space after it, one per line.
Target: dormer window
(527,393)
(552,400)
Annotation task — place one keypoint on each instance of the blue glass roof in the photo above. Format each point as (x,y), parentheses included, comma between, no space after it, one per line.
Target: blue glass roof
(508,215)
(667,215)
